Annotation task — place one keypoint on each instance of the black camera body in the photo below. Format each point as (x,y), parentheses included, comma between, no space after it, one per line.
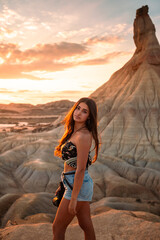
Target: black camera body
(59,194)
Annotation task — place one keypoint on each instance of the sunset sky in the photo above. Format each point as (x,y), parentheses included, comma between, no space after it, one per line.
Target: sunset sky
(64,49)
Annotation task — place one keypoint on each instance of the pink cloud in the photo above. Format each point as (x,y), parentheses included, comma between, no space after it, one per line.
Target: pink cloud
(104,59)
(110,39)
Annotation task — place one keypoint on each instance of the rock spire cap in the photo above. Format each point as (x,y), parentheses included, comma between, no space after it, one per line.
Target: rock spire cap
(142,11)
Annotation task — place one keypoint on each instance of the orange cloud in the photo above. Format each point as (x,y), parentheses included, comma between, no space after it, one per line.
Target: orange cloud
(5,90)
(9,71)
(110,39)
(5,31)
(43,57)
(16,63)
(41,51)
(104,59)
(37,97)
(8,19)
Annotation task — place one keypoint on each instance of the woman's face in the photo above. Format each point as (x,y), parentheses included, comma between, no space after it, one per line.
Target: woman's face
(81,113)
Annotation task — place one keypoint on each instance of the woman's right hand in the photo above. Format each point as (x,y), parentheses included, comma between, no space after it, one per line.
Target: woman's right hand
(72,206)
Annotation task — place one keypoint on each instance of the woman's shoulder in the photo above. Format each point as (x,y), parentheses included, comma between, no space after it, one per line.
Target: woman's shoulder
(84,136)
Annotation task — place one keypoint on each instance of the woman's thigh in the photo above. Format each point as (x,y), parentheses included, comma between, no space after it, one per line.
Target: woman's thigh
(63,217)
(83,215)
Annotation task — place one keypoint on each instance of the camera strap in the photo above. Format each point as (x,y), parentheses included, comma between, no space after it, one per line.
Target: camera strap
(64,177)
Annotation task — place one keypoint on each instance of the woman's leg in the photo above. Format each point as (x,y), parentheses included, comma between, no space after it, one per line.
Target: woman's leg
(62,220)
(84,219)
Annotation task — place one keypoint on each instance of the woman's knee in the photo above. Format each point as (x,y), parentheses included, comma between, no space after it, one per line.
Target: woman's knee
(86,225)
(83,226)
(58,228)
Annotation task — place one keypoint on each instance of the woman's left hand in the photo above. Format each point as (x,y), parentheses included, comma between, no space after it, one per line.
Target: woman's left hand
(72,207)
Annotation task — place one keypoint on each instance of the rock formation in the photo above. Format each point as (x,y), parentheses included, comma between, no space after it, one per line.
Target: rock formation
(114,224)
(129,103)
(129,110)
(127,173)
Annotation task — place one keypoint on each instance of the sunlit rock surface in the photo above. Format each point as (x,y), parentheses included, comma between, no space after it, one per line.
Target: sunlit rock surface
(109,225)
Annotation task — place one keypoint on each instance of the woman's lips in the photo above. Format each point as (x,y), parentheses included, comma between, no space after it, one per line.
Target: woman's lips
(77,117)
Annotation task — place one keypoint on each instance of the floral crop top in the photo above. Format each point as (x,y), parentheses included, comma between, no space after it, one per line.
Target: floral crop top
(69,154)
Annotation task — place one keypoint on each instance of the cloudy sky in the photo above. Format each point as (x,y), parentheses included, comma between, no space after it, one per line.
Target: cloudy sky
(64,49)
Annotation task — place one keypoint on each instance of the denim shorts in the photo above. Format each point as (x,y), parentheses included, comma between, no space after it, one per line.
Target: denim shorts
(86,191)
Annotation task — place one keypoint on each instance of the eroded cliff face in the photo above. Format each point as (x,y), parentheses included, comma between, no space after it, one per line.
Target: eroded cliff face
(129,103)
(129,123)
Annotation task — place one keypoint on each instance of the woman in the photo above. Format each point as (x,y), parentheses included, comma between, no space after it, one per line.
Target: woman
(74,148)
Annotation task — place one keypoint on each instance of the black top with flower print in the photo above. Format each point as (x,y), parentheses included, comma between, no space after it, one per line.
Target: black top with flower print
(69,150)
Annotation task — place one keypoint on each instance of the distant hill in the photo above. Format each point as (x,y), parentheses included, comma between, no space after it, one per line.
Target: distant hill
(51,108)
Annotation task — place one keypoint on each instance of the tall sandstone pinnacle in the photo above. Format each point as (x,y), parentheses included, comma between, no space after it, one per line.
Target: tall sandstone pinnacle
(129,103)
(129,111)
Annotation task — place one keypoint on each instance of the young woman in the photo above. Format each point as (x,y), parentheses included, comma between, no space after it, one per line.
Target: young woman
(74,148)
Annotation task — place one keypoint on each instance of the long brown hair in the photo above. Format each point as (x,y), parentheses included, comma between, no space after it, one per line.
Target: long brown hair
(91,125)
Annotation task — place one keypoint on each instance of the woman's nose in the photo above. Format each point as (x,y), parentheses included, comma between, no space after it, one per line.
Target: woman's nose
(79,113)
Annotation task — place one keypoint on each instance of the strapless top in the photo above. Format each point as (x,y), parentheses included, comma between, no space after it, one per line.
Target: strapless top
(69,154)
